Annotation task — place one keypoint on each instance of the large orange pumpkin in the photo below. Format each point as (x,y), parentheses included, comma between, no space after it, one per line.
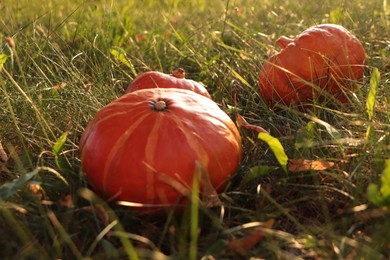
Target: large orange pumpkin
(156,79)
(323,60)
(144,146)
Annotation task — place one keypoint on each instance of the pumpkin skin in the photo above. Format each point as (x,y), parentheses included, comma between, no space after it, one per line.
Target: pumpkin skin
(156,79)
(141,147)
(324,60)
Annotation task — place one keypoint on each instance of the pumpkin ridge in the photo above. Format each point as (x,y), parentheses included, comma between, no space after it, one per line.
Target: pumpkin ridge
(119,145)
(217,115)
(150,152)
(94,123)
(207,145)
(189,133)
(100,120)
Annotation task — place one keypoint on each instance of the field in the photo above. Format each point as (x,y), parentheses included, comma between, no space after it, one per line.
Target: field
(62,61)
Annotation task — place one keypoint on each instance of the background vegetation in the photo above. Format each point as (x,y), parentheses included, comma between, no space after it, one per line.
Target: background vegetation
(61,61)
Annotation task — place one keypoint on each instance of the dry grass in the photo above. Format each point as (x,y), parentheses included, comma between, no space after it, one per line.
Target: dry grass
(60,71)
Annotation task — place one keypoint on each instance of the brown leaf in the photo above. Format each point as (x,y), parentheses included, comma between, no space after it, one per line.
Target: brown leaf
(60,86)
(374,213)
(140,37)
(301,165)
(10,41)
(36,189)
(66,201)
(243,56)
(3,154)
(241,122)
(242,245)
(88,86)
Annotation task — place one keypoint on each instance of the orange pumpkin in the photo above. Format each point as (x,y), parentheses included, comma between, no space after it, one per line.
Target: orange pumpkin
(323,60)
(155,79)
(144,146)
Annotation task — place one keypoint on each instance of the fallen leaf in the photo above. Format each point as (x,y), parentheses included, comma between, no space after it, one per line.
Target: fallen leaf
(88,86)
(374,213)
(60,86)
(241,122)
(243,56)
(140,37)
(36,190)
(301,165)
(66,201)
(242,245)
(10,41)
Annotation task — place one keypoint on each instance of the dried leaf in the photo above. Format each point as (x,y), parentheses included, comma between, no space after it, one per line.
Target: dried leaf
(243,56)
(301,165)
(60,86)
(10,41)
(88,86)
(36,190)
(66,201)
(140,37)
(374,213)
(241,122)
(3,154)
(246,243)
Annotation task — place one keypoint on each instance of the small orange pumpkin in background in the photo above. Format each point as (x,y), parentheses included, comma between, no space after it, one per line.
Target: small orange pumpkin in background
(144,146)
(323,60)
(156,79)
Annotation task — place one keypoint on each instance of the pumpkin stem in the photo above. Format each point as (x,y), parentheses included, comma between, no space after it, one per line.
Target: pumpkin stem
(159,105)
(179,73)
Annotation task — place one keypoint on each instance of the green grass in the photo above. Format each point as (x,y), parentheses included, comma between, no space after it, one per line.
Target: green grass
(61,70)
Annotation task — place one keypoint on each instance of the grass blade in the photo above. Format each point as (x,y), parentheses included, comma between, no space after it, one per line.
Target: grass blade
(120,55)
(381,196)
(57,148)
(371,98)
(3,59)
(7,190)
(370,103)
(195,213)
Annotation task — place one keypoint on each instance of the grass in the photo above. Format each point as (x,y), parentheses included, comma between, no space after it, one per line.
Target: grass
(61,69)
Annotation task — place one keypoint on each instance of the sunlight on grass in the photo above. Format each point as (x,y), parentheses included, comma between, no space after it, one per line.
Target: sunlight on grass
(62,61)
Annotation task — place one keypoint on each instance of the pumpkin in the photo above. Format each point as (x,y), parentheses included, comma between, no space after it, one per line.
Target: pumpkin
(156,79)
(144,146)
(324,60)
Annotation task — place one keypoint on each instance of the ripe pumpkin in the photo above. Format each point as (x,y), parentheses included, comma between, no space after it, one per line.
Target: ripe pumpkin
(143,147)
(156,79)
(323,60)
